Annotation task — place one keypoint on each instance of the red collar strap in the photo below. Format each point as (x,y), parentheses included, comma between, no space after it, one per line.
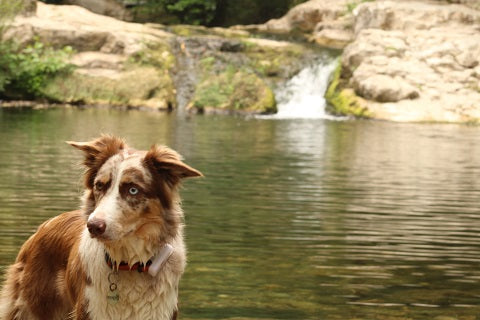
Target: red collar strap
(140,267)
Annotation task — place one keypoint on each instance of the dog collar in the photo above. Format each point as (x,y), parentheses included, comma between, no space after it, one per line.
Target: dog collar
(152,266)
(140,267)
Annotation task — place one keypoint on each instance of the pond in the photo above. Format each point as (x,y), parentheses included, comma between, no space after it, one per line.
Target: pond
(295,219)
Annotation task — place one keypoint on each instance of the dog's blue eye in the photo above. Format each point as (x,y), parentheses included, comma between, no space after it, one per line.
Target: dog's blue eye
(133,191)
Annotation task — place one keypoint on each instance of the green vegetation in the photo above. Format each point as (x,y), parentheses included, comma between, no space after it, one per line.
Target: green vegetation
(8,10)
(140,86)
(144,81)
(196,12)
(355,3)
(156,54)
(25,72)
(212,12)
(234,91)
(274,60)
(344,101)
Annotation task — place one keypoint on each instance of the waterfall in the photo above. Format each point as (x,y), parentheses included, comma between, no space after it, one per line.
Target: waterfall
(302,97)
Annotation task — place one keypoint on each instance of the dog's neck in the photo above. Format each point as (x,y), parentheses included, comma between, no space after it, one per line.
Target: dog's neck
(133,250)
(153,265)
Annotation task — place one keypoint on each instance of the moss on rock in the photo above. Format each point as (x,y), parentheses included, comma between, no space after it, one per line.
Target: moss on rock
(233,91)
(137,87)
(184,30)
(142,80)
(275,58)
(344,101)
(157,54)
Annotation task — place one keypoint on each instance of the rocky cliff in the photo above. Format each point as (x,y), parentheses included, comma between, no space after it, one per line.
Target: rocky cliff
(152,66)
(403,60)
(406,60)
(415,61)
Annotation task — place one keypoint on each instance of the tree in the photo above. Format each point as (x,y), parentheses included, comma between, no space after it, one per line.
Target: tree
(213,12)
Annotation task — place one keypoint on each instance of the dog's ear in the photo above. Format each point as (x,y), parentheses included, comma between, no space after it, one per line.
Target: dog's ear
(96,153)
(169,164)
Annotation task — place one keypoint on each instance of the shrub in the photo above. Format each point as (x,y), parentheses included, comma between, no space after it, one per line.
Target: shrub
(24,72)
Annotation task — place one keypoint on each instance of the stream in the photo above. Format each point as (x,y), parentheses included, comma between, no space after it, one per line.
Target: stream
(306,218)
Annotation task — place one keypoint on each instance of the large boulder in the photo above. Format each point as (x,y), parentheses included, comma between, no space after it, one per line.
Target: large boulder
(412,15)
(306,16)
(83,30)
(326,22)
(415,61)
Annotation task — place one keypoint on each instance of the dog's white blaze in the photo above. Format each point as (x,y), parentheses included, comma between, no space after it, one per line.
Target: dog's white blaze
(108,209)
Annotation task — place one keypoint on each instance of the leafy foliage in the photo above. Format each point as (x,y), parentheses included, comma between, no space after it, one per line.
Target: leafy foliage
(212,12)
(194,12)
(234,89)
(26,71)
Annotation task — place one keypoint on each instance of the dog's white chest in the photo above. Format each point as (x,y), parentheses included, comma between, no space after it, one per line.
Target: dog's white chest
(138,298)
(129,294)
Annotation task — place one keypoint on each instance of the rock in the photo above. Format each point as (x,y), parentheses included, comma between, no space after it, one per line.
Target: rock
(83,30)
(118,63)
(137,87)
(232,46)
(98,60)
(326,22)
(29,7)
(334,34)
(474,4)
(411,15)
(306,16)
(153,66)
(236,75)
(233,92)
(414,61)
(384,88)
(333,38)
(110,8)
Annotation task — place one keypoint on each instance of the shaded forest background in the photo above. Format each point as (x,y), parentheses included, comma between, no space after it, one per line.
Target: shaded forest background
(205,12)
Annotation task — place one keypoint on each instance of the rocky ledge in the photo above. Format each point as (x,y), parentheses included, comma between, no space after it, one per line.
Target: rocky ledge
(411,61)
(403,60)
(156,67)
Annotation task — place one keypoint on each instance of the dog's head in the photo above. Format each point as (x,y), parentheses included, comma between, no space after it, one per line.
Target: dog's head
(130,192)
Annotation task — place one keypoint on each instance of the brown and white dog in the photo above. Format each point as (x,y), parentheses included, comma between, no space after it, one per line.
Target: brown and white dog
(73,267)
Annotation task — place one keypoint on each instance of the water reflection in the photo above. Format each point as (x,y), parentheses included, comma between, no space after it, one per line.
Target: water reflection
(305,219)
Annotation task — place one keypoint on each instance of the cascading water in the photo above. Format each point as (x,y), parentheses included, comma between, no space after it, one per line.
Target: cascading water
(302,97)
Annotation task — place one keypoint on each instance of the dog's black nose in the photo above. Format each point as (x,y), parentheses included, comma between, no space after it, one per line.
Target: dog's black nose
(96,227)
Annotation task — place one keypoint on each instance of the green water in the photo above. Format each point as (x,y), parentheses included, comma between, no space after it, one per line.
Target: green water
(295,219)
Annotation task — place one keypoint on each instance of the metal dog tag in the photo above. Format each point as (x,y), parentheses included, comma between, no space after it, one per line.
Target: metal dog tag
(112,296)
